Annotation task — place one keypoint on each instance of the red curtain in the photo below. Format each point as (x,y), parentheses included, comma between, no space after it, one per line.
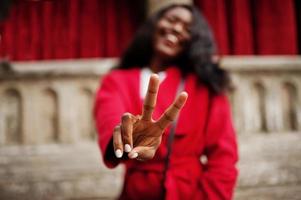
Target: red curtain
(60,29)
(251,26)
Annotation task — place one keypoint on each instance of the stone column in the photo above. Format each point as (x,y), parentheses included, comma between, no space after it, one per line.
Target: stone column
(67,127)
(298,106)
(274,111)
(31,133)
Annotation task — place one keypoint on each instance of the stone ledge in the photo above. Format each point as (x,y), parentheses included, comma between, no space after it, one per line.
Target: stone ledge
(262,63)
(96,67)
(57,68)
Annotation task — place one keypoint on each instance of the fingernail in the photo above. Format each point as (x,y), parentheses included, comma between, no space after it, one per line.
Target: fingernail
(133,155)
(127,148)
(118,153)
(184,93)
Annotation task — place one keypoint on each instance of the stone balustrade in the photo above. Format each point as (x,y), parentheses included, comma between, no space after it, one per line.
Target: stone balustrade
(266,96)
(266,103)
(47,137)
(49,102)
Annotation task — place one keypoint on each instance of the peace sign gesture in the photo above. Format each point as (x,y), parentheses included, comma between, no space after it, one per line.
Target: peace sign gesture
(140,136)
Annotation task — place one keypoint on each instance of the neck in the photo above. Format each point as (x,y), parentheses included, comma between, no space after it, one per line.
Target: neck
(157,64)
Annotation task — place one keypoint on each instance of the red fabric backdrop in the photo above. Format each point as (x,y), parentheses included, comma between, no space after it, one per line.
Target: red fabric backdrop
(58,29)
(253,26)
(61,29)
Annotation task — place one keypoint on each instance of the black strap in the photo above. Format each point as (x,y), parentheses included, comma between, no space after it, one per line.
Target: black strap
(208,112)
(172,133)
(210,97)
(171,137)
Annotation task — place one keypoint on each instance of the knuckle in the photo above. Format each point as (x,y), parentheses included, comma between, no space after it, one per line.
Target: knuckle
(152,91)
(148,107)
(126,117)
(160,126)
(176,106)
(117,145)
(117,128)
(116,142)
(168,117)
(150,155)
(126,138)
(146,154)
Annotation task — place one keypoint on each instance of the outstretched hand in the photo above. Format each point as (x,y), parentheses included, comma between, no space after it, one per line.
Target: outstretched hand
(140,136)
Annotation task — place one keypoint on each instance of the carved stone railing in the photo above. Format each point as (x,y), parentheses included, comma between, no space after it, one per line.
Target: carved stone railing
(49,102)
(48,146)
(48,143)
(267,96)
(266,103)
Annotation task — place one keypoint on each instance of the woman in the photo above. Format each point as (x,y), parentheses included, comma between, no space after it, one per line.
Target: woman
(162,161)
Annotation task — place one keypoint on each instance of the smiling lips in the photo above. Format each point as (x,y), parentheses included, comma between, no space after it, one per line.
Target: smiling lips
(171,39)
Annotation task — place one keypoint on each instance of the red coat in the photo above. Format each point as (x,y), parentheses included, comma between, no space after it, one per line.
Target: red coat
(187,177)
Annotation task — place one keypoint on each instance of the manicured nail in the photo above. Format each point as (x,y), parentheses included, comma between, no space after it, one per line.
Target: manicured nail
(127,148)
(118,153)
(133,155)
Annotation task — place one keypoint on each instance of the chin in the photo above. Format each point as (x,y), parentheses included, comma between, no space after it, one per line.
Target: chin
(167,53)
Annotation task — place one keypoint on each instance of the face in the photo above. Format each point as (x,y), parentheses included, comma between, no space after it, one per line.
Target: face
(172,32)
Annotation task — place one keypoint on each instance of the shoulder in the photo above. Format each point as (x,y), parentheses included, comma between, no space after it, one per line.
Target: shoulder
(121,74)
(220,98)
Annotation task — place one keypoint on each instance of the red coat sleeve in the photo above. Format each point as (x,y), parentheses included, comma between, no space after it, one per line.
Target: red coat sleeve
(220,172)
(108,109)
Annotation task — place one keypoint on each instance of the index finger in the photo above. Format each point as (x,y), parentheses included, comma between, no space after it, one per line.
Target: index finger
(172,111)
(150,98)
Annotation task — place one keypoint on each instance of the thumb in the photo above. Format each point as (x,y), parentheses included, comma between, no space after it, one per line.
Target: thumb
(142,153)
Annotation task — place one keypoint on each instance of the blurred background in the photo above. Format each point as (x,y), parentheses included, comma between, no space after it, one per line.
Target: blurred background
(53,54)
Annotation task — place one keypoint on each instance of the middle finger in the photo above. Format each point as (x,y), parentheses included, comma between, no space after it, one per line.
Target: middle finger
(172,111)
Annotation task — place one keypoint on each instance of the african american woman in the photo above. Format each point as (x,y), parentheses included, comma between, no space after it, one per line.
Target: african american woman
(164,107)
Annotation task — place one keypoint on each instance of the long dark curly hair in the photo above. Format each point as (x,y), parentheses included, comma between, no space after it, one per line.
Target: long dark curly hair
(196,58)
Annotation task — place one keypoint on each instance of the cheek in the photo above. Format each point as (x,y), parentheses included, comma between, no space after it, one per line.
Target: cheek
(163,49)
(162,24)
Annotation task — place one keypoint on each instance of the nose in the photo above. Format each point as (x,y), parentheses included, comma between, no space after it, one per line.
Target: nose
(178,27)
